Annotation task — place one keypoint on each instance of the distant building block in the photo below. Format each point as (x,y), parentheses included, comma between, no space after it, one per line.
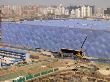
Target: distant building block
(12,56)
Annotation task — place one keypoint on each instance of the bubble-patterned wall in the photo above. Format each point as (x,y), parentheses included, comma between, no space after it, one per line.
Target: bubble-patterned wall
(56,37)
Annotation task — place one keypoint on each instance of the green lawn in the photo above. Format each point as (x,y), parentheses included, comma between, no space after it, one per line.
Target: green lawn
(12,75)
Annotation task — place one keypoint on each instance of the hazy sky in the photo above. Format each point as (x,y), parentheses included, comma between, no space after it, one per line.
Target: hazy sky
(98,3)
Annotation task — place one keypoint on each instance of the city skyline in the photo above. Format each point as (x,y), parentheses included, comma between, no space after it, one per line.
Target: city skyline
(97,3)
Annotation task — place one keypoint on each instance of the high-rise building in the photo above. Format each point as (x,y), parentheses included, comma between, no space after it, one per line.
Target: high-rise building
(81,11)
(89,11)
(17,10)
(107,11)
(60,10)
(86,11)
(99,12)
(7,11)
(78,13)
(49,10)
(72,12)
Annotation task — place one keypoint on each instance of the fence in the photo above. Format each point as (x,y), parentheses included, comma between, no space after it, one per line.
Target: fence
(31,76)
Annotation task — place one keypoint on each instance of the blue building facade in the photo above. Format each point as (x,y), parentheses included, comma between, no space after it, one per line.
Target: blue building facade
(56,37)
(10,56)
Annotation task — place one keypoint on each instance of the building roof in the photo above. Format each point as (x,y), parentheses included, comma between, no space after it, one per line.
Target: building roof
(13,51)
(45,35)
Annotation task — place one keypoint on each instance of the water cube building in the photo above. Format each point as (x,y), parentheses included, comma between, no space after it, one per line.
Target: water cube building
(56,34)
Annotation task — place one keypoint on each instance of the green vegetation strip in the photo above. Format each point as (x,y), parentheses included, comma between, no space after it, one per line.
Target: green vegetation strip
(12,75)
(31,76)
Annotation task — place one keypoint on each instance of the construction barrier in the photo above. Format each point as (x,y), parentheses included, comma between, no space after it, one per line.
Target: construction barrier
(31,76)
(19,80)
(37,75)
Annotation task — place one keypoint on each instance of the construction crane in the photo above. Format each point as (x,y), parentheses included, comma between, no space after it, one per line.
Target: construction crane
(75,53)
(79,53)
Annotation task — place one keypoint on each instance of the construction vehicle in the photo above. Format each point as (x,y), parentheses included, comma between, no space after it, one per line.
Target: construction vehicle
(74,53)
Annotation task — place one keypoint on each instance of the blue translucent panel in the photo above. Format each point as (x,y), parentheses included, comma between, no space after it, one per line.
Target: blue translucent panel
(72,23)
(37,34)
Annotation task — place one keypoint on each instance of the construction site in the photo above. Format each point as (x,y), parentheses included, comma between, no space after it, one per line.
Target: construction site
(77,74)
(44,68)
(55,51)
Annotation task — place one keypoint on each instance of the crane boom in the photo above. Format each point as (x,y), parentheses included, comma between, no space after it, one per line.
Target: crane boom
(83,42)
